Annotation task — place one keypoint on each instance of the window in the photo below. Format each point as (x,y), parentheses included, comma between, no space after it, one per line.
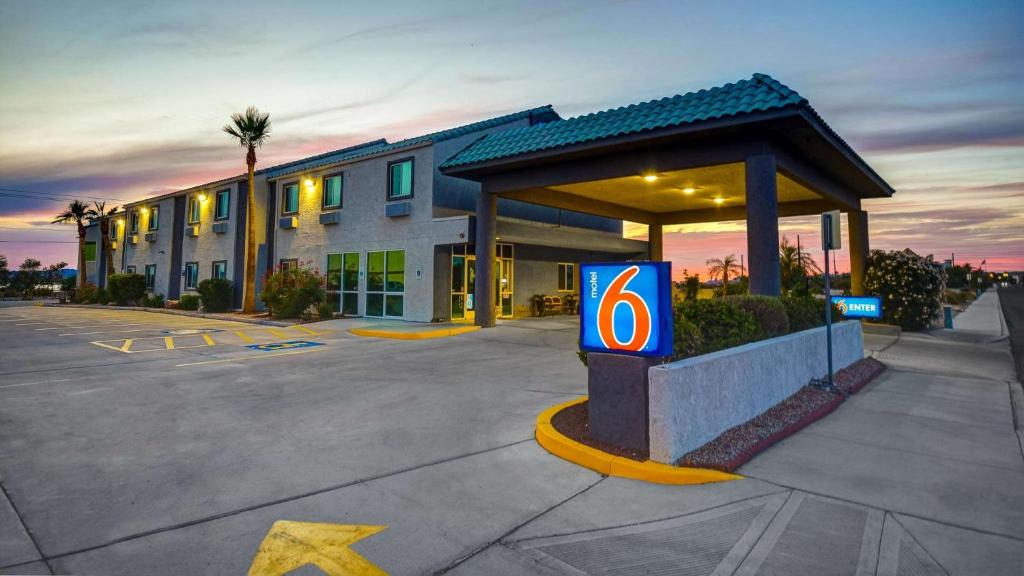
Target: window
(89,251)
(332,191)
(385,283)
(113,230)
(350,284)
(566,277)
(400,179)
(130,270)
(150,276)
(287,264)
(222,205)
(133,222)
(220,270)
(290,198)
(154,218)
(194,209)
(191,275)
(333,287)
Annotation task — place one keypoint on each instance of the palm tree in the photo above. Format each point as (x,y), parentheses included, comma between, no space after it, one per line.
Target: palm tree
(794,264)
(104,215)
(77,212)
(251,130)
(723,267)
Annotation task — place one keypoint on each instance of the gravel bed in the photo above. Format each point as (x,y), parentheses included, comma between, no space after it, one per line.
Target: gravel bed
(737,445)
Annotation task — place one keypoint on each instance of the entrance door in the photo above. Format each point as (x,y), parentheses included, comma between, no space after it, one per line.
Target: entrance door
(463,286)
(504,280)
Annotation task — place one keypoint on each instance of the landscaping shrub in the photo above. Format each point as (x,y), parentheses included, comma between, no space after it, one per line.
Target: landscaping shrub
(910,286)
(188,302)
(768,312)
(100,296)
(86,294)
(958,297)
(290,293)
(216,294)
(324,310)
(154,301)
(804,312)
(719,325)
(125,289)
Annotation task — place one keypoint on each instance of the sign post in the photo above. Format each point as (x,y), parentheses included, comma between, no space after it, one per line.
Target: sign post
(625,328)
(831,239)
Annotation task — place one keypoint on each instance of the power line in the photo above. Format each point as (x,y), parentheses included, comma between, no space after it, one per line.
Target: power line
(40,241)
(39,229)
(54,195)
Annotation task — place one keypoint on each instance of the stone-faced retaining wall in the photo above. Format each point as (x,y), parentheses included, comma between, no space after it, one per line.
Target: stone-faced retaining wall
(694,400)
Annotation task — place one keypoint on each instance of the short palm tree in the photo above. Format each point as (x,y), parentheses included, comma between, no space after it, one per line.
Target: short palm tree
(100,208)
(723,267)
(794,264)
(251,129)
(77,213)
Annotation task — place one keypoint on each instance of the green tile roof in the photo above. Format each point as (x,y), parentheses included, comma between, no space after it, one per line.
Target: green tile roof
(760,93)
(382,146)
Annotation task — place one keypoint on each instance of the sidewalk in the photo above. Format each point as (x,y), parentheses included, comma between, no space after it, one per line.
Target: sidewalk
(982,316)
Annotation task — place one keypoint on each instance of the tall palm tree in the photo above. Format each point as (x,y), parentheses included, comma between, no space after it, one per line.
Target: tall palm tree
(723,267)
(794,264)
(77,213)
(104,215)
(251,130)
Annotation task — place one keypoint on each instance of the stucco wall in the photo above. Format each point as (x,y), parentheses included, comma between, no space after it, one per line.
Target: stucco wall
(159,252)
(209,247)
(692,401)
(364,227)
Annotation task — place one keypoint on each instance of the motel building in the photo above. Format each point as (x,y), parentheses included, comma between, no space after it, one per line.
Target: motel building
(393,236)
(400,228)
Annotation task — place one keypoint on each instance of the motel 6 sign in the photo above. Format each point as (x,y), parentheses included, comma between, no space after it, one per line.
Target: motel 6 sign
(858,306)
(626,308)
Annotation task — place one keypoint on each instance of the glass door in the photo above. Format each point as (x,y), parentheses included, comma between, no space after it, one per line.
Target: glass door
(504,280)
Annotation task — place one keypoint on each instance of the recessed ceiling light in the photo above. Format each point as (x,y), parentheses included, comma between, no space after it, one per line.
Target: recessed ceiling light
(719,200)
(689,190)
(650,178)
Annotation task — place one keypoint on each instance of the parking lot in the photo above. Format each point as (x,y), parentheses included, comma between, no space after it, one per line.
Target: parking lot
(180,451)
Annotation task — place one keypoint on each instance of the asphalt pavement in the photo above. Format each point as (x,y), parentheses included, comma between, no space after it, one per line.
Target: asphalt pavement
(1012,300)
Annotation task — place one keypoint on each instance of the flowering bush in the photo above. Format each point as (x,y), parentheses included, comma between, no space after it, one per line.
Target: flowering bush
(288,293)
(909,285)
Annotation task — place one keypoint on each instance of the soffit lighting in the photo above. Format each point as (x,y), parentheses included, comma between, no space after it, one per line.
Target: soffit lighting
(689,190)
(650,178)
(719,200)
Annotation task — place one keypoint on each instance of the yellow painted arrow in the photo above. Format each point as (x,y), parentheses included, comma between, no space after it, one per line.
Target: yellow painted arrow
(290,545)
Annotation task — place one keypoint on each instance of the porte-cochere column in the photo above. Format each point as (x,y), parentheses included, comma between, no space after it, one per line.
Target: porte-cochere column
(857,220)
(486,243)
(762,225)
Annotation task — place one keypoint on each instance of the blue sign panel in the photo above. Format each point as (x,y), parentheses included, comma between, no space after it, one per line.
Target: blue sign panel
(626,308)
(283,345)
(858,306)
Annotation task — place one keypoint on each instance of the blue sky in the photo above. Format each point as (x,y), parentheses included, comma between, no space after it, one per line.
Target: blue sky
(126,99)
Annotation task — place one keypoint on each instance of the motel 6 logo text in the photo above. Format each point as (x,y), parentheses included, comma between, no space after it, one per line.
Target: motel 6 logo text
(626,308)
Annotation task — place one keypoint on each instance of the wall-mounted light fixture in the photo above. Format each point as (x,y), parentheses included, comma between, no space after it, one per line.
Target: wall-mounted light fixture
(309,183)
(202,197)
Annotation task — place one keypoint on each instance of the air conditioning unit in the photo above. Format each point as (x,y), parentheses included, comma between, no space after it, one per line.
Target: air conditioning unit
(150,236)
(113,244)
(192,231)
(133,239)
(287,222)
(327,218)
(220,227)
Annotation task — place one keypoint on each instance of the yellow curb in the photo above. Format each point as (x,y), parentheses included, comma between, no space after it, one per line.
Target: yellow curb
(604,463)
(421,335)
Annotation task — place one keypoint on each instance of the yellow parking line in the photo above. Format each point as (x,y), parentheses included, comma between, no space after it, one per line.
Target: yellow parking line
(306,330)
(169,342)
(127,344)
(209,341)
(244,358)
(278,333)
(245,337)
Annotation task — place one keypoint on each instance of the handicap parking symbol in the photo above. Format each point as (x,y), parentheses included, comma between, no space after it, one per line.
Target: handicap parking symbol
(284,345)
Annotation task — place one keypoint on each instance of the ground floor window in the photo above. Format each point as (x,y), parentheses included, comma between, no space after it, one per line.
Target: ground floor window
(333,284)
(220,270)
(89,251)
(191,275)
(566,277)
(287,264)
(385,283)
(350,284)
(130,270)
(150,276)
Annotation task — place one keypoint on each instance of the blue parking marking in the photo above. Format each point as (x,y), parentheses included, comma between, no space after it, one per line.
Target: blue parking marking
(284,345)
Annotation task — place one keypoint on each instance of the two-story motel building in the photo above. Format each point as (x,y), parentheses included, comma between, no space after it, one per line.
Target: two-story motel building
(393,235)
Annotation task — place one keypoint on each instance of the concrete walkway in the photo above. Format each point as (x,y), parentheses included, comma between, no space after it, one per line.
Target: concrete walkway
(982,316)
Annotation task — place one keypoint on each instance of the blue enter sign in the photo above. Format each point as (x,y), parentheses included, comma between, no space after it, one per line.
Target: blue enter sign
(858,306)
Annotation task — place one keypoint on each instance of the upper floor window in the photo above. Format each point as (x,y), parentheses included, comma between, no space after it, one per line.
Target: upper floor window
(332,191)
(113,230)
(194,209)
(222,205)
(154,218)
(400,179)
(290,198)
(133,221)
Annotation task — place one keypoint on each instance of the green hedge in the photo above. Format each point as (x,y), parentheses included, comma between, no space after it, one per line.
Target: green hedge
(125,289)
(804,312)
(188,302)
(768,312)
(717,324)
(216,294)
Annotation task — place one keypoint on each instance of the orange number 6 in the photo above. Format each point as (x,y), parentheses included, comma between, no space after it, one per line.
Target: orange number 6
(618,294)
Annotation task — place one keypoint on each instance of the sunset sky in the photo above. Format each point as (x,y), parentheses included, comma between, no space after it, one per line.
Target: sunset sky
(122,100)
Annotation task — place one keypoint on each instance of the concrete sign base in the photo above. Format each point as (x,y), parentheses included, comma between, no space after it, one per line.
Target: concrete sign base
(618,392)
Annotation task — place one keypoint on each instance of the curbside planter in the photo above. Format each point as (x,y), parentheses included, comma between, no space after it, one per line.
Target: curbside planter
(694,400)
